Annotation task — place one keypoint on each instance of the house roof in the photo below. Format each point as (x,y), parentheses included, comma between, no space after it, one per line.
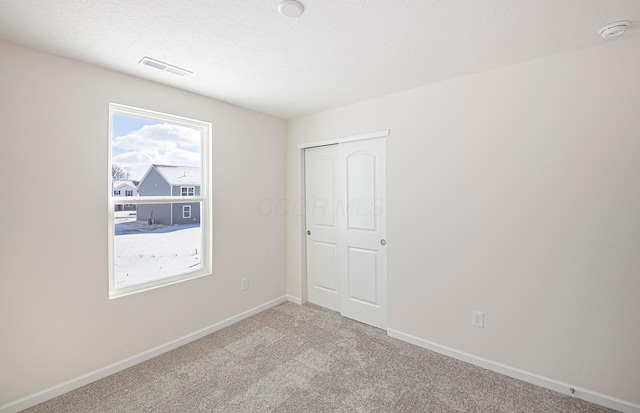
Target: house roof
(180,175)
(120,183)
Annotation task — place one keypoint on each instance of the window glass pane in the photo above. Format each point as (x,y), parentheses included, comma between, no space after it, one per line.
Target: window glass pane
(150,249)
(188,190)
(156,157)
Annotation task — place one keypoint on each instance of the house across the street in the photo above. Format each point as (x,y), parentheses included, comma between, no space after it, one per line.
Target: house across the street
(169,180)
(124,187)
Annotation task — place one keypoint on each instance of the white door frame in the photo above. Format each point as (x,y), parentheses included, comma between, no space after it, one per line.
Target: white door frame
(303,216)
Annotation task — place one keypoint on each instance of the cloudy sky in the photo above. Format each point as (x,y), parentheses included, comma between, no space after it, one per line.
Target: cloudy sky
(137,143)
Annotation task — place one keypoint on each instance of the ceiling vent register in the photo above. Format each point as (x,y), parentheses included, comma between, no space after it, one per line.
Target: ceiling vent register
(165,67)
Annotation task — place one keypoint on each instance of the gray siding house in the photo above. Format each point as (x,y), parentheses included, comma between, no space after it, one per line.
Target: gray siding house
(168,180)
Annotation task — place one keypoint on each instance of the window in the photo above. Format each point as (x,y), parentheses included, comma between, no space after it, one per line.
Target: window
(153,244)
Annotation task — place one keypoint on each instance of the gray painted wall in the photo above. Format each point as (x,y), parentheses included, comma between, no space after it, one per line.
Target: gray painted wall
(161,213)
(195,213)
(154,184)
(177,208)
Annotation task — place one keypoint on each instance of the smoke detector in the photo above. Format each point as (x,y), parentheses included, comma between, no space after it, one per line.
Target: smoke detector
(165,67)
(291,8)
(613,30)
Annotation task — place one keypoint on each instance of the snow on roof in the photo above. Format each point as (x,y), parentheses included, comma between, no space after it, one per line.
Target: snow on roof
(119,183)
(180,175)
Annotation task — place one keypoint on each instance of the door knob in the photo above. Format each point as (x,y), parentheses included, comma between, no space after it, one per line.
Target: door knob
(308,232)
(383,242)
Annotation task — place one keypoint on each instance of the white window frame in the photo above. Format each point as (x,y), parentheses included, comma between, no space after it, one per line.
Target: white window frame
(188,189)
(186,211)
(116,192)
(128,192)
(206,213)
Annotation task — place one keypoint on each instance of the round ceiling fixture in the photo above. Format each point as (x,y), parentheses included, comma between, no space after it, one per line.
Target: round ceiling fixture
(613,30)
(291,8)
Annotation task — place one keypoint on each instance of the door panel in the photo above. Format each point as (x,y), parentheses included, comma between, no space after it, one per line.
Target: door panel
(325,266)
(323,195)
(322,242)
(363,277)
(362,274)
(361,191)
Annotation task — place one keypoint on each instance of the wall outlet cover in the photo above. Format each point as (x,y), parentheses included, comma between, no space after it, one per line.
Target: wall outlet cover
(477,319)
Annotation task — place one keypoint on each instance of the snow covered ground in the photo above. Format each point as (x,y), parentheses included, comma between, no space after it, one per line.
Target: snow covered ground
(149,252)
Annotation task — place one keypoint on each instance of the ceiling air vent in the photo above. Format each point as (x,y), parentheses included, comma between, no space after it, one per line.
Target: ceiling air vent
(166,67)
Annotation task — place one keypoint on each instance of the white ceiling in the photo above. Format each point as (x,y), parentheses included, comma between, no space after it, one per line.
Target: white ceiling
(338,52)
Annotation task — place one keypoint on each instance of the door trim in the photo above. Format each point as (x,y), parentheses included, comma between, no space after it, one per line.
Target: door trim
(369,135)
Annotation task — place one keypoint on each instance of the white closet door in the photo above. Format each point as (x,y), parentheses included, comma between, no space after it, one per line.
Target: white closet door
(362,256)
(346,229)
(322,226)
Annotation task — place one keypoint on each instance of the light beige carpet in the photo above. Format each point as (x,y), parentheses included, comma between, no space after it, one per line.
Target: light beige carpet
(295,358)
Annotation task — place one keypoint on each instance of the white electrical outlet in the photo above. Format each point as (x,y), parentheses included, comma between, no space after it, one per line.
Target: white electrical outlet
(244,284)
(477,319)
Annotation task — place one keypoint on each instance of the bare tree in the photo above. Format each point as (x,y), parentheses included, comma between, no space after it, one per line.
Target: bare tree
(119,172)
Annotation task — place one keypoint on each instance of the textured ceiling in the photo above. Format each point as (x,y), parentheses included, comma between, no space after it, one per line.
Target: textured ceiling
(338,52)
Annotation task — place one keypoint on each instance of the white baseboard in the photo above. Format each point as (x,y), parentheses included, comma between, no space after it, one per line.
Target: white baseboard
(294,299)
(83,380)
(564,388)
